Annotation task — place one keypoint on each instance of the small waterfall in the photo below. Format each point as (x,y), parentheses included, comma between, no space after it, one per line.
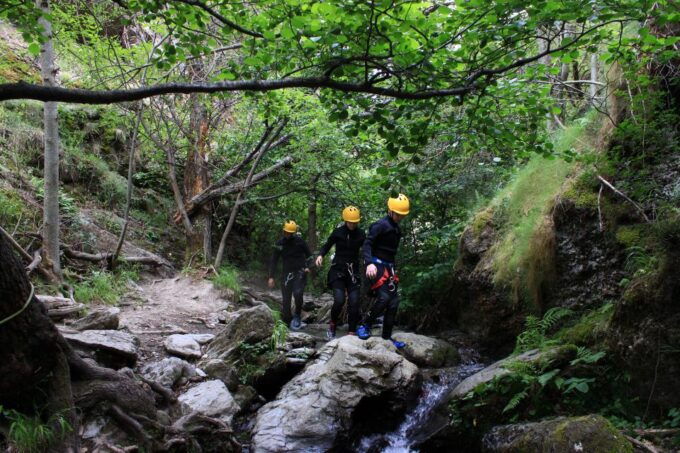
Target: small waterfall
(409,433)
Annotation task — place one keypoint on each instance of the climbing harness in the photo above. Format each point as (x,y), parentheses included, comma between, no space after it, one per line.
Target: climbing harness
(388,276)
(350,271)
(291,276)
(28,301)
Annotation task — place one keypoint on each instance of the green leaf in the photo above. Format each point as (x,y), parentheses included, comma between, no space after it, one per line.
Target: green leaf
(34,49)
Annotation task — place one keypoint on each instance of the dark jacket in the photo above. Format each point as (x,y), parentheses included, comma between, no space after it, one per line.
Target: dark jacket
(293,251)
(347,244)
(382,241)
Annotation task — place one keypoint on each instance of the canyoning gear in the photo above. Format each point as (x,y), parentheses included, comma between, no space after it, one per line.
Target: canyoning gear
(290,226)
(398,344)
(400,205)
(292,287)
(387,302)
(389,276)
(330,333)
(351,214)
(363,332)
(294,254)
(382,241)
(347,245)
(296,324)
(341,287)
(344,274)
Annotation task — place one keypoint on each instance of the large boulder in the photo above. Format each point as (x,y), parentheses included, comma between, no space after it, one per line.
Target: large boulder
(183,346)
(112,348)
(99,319)
(211,398)
(426,351)
(169,371)
(591,433)
(497,369)
(351,386)
(250,325)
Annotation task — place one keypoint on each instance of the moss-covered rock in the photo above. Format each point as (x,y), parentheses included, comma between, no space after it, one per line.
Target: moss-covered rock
(591,433)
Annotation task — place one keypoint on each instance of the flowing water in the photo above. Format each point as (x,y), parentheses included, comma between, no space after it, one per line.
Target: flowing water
(405,438)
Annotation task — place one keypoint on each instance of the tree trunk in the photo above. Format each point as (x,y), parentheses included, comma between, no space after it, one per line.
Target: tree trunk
(51,199)
(593,78)
(196,180)
(33,360)
(312,234)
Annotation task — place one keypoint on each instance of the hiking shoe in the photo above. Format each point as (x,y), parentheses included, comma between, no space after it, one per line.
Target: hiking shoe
(363,332)
(398,344)
(330,333)
(296,324)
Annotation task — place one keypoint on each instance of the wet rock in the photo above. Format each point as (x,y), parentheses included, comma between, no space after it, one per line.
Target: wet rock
(493,371)
(299,340)
(219,369)
(99,319)
(244,326)
(426,351)
(111,348)
(169,372)
(211,398)
(244,396)
(338,393)
(183,345)
(591,433)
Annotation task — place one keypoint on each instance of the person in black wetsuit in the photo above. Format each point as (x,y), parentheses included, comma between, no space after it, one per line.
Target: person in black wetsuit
(380,249)
(294,252)
(344,275)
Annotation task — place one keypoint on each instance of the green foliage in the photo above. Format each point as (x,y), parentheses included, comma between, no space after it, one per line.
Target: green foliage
(105,287)
(11,207)
(94,173)
(536,330)
(252,360)
(279,333)
(590,329)
(228,278)
(30,434)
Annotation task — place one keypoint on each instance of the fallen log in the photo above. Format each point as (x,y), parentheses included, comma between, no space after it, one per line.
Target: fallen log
(37,259)
(54,301)
(97,257)
(58,313)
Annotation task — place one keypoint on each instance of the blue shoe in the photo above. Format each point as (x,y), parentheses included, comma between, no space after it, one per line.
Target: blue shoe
(295,324)
(363,332)
(398,344)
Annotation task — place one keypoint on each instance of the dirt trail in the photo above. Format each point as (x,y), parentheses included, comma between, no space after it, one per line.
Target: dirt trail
(161,307)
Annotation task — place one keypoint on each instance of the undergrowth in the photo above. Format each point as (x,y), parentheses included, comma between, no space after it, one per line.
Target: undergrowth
(228,278)
(106,287)
(29,434)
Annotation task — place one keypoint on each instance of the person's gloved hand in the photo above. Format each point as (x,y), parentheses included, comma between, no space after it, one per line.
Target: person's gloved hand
(371,271)
(270,282)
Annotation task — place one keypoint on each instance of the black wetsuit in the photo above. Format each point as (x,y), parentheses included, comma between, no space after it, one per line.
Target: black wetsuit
(380,249)
(294,253)
(344,274)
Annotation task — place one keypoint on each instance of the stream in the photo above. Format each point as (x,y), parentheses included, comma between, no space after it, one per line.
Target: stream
(413,430)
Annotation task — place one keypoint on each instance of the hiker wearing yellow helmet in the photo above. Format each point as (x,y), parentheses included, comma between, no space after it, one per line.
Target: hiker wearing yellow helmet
(344,275)
(380,249)
(294,252)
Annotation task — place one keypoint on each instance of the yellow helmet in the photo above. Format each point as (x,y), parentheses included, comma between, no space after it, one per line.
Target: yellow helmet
(290,226)
(351,214)
(400,205)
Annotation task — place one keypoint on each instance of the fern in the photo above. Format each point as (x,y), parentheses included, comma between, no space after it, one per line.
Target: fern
(534,335)
(515,400)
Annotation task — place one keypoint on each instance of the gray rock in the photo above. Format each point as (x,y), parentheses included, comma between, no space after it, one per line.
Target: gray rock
(493,371)
(183,346)
(219,369)
(209,398)
(591,433)
(249,325)
(299,340)
(426,351)
(111,347)
(169,371)
(99,319)
(316,407)
(244,396)
(202,338)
